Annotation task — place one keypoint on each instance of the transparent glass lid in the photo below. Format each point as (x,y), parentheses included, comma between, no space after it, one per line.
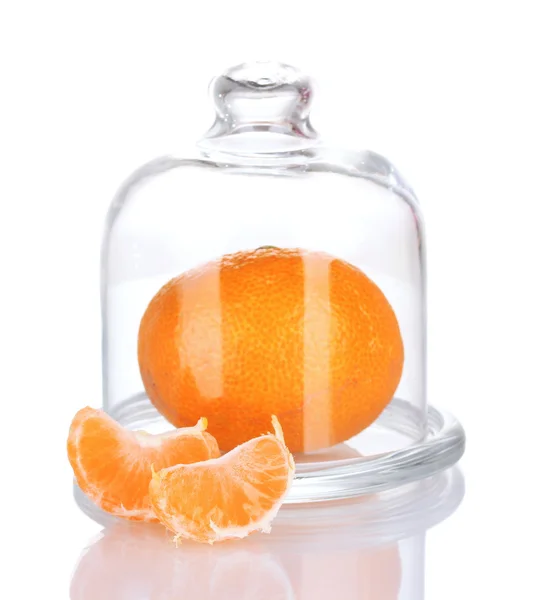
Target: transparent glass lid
(269,274)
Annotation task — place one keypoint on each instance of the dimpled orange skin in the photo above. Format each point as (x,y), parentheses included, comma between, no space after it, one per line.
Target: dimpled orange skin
(299,334)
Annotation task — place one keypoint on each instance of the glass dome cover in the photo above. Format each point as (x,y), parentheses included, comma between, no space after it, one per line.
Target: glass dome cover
(267,273)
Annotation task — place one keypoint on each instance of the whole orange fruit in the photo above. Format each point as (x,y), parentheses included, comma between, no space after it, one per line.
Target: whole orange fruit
(294,333)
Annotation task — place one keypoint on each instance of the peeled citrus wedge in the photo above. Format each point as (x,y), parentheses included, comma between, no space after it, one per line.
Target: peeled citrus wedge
(112,465)
(227,497)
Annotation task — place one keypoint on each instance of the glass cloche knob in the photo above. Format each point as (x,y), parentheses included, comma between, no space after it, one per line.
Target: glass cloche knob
(258,97)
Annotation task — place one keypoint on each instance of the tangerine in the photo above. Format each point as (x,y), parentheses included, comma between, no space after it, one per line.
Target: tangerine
(295,333)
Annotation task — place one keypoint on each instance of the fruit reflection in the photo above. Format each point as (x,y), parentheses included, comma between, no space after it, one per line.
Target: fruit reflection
(139,562)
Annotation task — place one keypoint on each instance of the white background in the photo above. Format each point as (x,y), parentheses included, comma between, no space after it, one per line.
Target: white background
(456,94)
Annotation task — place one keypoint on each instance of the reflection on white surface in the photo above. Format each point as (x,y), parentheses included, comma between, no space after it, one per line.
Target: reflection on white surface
(365,549)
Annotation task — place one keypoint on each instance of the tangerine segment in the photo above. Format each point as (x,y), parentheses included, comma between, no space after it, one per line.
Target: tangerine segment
(112,465)
(228,497)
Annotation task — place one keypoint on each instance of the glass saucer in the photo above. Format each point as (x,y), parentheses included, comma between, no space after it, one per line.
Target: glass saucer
(328,479)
